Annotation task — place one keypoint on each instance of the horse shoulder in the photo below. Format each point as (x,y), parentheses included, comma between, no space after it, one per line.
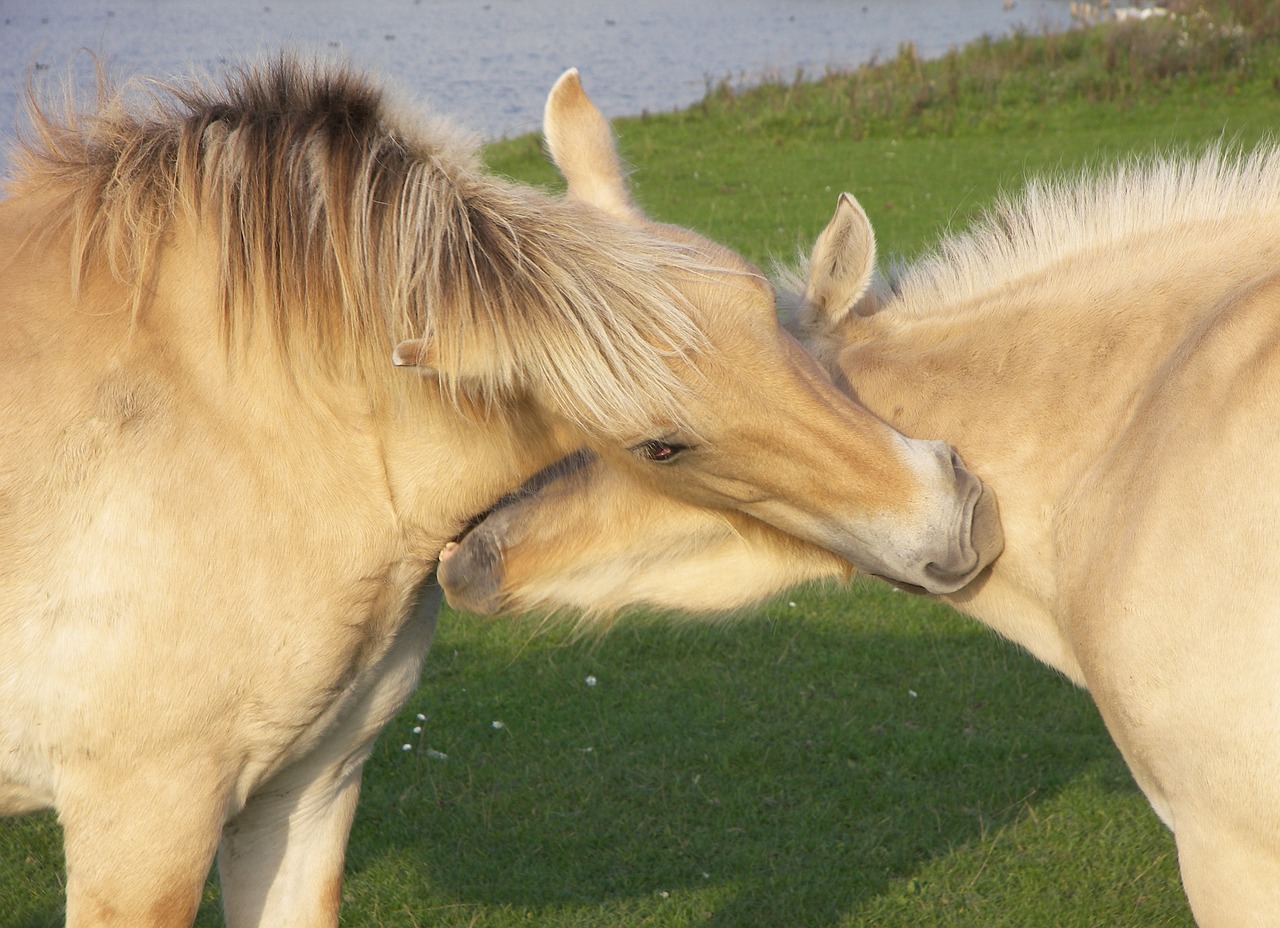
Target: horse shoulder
(1171,568)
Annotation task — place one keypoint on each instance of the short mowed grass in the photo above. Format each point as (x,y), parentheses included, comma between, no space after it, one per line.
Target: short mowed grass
(838,757)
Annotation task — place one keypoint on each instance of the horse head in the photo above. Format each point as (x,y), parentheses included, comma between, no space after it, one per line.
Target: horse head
(589,535)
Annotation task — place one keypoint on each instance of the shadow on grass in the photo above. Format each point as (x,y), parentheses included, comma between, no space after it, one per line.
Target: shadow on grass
(781,770)
(785,769)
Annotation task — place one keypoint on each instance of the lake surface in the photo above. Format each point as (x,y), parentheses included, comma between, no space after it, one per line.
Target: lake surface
(489,63)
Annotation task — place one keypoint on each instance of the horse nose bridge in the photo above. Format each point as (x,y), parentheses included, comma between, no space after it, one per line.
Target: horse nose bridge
(857,453)
(943,483)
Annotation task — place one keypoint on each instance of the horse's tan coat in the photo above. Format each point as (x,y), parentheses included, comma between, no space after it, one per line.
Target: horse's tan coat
(1107,356)
(218,496)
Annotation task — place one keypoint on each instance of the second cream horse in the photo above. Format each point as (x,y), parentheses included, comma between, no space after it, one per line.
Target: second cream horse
(1107,356)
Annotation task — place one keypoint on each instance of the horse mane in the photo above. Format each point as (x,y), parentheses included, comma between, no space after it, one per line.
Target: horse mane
(345,228)
(1050,220)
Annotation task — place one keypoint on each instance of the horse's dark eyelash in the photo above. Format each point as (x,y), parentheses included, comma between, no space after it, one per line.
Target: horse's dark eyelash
(658,450)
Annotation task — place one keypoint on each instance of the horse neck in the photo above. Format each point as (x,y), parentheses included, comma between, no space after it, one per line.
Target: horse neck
(1032,383)
(448,461)
(425,460)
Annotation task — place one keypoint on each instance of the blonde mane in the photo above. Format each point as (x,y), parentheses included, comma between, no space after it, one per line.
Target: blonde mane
(345,230)
(1051,220)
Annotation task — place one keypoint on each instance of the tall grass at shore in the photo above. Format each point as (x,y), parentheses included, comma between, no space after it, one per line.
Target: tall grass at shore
(1008,83)
(837,758)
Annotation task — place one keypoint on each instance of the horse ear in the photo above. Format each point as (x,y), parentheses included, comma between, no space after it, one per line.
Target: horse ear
(413,352)
(582,147)
(843,262)
(469,369)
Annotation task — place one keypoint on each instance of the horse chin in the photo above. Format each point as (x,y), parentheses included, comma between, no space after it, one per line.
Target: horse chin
(901,585)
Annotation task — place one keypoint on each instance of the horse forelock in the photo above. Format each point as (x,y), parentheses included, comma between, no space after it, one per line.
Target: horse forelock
(346,227)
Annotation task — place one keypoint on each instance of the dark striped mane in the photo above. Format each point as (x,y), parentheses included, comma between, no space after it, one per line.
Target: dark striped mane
(346,226)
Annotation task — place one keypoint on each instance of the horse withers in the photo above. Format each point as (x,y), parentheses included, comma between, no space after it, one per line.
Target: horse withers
(1106,354)
(218,496)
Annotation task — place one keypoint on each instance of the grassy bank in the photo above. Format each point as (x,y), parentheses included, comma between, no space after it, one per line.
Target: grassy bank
(838,758)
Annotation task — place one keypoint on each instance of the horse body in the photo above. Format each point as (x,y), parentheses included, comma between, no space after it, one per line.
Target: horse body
(1107,357)
(1186,593)
(207,588)
(1139,512)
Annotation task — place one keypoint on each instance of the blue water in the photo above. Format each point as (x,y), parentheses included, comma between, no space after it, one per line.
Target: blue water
(489,63)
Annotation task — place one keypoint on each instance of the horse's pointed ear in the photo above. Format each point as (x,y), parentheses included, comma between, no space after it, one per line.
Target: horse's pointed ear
(582,147)
(843,262)
(468,368)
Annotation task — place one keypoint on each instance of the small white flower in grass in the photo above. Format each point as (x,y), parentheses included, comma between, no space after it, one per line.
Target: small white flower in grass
(591,680)
(792,605)
(417,729)
(498,724)
(406,747)
(421,717)
(912,693)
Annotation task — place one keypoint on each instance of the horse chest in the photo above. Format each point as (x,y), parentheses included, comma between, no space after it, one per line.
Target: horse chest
(341,696)
(168,589)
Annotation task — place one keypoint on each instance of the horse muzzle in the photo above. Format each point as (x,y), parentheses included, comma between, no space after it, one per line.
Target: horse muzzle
(471,571)
(951,539)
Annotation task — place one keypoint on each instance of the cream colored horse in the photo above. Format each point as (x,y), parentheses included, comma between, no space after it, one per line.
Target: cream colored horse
(218,496)
(1107,356)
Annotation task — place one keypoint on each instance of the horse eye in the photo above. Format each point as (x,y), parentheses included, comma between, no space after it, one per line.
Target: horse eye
(658,450)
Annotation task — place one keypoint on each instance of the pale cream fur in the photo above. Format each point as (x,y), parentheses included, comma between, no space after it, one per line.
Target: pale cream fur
(1105,353)
(220,497)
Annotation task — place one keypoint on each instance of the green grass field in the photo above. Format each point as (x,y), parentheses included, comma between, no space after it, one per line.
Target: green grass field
(838,757)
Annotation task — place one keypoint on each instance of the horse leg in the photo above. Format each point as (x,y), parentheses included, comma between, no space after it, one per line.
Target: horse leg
(281,858)
(1231,881)
(138,853)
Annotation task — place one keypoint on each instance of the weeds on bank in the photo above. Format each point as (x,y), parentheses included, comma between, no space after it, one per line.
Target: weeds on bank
(994,83)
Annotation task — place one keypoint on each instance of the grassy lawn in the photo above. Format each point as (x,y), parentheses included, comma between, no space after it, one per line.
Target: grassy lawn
(838,757)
